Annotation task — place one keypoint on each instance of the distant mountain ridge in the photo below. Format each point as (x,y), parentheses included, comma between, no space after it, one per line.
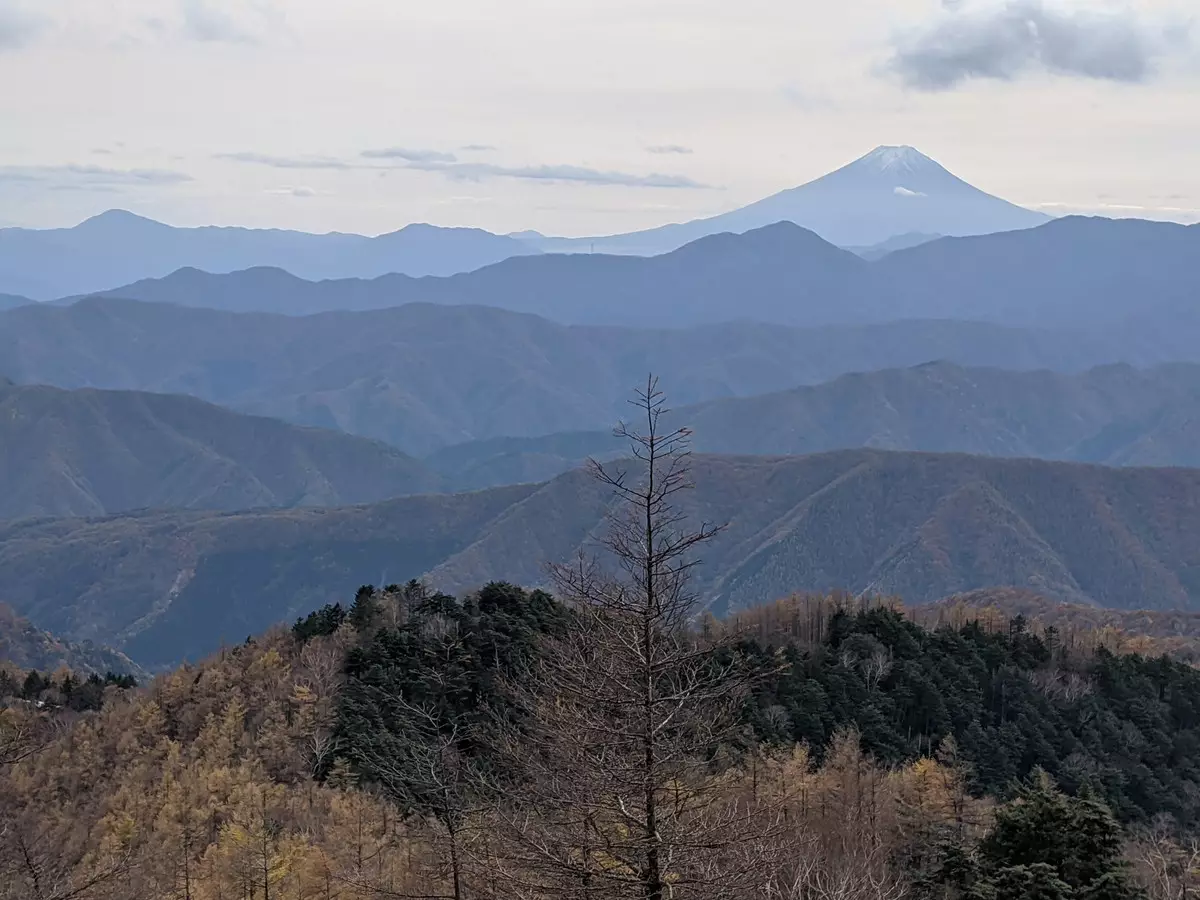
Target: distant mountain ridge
(892,191)
(94,453)
(422,377)
(1074,272)
(118,247)
(166,586)
(1115,415)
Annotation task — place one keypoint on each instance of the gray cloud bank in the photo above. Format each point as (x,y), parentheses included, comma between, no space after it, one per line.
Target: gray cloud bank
(1003,42)
(17,28)
(452,167)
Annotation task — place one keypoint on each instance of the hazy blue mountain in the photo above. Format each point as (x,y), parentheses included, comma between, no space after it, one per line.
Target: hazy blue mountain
(1074,272)
(164,586)
(425,376)
(782,270)
(91,453)
(11,301)
(265,289)
(891,191)
(1116,414)
(118,247)
(891,245)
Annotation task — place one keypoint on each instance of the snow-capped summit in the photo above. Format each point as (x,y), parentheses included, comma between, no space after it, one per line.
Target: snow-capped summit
(896,159)
(893,190)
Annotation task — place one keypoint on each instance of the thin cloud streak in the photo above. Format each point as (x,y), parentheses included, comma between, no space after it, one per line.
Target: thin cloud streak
(447,164)
(667,149)
(562,174)
(414,156)
(287,162)
(83,176)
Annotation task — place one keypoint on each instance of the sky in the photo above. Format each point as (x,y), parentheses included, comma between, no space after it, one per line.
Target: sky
(579,117)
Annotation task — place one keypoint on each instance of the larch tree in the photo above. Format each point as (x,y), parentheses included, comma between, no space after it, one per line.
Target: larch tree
(617,745)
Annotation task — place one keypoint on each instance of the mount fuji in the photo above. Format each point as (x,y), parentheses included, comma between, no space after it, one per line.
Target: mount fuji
(889,192)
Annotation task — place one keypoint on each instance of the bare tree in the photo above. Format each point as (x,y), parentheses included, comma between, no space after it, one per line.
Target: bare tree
(1166,863)
(23,732)
(615,749)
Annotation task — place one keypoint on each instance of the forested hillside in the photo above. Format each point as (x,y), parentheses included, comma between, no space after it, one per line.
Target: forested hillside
(25,647)
(167,586)
(94,453)
(259,770)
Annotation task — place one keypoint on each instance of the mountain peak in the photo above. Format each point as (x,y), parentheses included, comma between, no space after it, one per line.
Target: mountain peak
(896,159)
(117,218)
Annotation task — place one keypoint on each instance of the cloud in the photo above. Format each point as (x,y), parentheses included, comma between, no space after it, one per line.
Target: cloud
(17,26)
(413,156)
(665,149)
(448,164)
(84,177)
(301,191)
(223,21)
(476,148)
(287,162)
(1004,41)
(563,174)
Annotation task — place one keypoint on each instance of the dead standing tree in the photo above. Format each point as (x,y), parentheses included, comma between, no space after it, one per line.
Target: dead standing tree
(616,791)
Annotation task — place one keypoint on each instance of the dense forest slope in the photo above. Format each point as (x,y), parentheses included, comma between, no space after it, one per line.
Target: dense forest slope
(163,587)
(1116,415)
(252,773)
(421,377)
(91,453)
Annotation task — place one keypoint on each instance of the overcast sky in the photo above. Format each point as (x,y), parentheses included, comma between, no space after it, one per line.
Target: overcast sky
(579,116)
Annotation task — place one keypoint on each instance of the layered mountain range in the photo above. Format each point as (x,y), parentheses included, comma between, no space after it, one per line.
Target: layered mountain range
(890,193)
(117,247)
(835,395)
(90,452)
(422,377)
(165,586)
(1074,273)
(1116,415)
